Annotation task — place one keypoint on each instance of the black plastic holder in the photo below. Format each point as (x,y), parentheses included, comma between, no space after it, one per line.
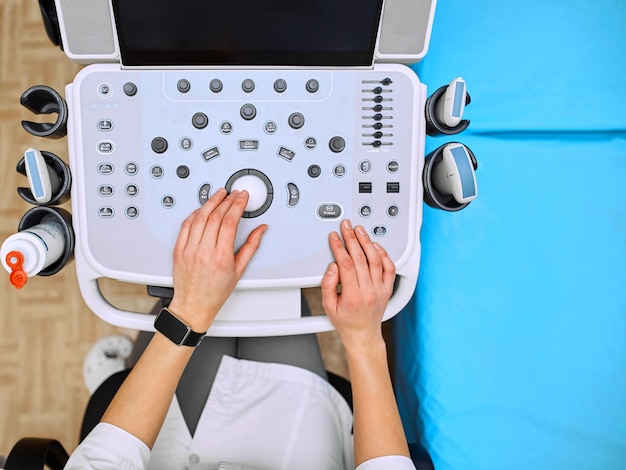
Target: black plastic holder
(433,126)
(35,216)
(432,196)
(62,194)
(41,99)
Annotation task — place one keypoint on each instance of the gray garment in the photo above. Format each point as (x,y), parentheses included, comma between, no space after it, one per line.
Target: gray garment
(195,384)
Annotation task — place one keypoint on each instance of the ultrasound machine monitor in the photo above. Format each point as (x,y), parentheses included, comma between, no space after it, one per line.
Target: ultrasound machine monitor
(284,99)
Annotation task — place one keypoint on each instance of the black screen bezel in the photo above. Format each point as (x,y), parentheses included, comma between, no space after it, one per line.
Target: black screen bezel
(190,58)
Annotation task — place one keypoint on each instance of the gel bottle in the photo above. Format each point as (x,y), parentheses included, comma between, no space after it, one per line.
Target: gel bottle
(29,251)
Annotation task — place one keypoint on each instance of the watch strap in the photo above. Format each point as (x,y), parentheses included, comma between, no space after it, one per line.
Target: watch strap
(176,330)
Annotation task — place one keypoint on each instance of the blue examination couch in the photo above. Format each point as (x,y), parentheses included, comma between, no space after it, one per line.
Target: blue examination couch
(512,353)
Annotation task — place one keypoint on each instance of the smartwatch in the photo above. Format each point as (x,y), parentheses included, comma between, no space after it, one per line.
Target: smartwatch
(177,331)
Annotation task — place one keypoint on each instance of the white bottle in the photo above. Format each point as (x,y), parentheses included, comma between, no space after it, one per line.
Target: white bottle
(27,252)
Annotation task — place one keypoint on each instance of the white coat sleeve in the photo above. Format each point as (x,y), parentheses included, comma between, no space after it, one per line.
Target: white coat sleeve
(109,447)
(396,462)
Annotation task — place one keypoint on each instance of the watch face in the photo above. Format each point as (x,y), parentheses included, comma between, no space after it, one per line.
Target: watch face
(171,327)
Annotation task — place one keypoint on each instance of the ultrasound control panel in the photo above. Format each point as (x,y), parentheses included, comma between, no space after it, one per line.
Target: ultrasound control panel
(312,147)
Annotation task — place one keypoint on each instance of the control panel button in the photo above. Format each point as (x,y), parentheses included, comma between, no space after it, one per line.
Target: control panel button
(296,120)
(248,144)
(310,143)
(105,190)
(106,212)
(314,171)
(105,168)
(365,166)
(286,153)
(226,128)
(248,112)
(339,171)
(211,153)
(168,201)
(182,171)
(293,195)
(156,172)
(105,146)
(132,212)
(393,166)
(393,188)
(365,211)
(248,85)
(183,85)
(159,145)
(330,211)
(216,85)
(200,120)
(105,125)
(280,85)
(130,89)
(185,143)
(105,90)
(270,127)
(131,168)
(131,190)
(204,193)
(337,144)
(312,86)
(393,211)
(365,187)
(379,231)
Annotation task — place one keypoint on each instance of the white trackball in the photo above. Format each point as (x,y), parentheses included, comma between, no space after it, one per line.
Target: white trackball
(257,190)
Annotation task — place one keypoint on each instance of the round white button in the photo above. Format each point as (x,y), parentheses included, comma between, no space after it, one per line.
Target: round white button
(256,189)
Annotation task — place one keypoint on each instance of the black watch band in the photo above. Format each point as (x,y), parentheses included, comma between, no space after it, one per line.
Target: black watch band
(176,330)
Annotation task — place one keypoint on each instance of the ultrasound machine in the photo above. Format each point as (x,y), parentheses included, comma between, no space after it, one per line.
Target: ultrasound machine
(309,106)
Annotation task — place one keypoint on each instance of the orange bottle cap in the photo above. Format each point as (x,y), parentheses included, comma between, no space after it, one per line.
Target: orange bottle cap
(15,259)
(17,277)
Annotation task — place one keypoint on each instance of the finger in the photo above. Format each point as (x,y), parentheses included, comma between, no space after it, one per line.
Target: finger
(183,234)
(330,281)
(356,253)
(389,269)
(248,249)
(212,221)
(374,259)
(201,216)
(345,265)
(230,221)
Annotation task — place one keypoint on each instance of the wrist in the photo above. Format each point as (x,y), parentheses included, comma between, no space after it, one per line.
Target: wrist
(365,347)
(197,321)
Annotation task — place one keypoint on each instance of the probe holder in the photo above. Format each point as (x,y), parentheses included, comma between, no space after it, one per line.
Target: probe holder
(55,164)
(432,196)
(41,99)
(433,126)
(35,216)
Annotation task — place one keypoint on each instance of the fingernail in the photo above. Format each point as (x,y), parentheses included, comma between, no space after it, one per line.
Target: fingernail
(360,230)
(346,224)
(334,236)
(332,269)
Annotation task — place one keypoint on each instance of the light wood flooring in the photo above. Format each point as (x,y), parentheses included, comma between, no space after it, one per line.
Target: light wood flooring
(45,328)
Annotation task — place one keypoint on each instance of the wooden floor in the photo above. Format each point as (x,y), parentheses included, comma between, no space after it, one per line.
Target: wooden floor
(45,328)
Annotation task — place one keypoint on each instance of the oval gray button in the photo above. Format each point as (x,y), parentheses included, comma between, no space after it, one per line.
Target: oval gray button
(293,194)
(329,211)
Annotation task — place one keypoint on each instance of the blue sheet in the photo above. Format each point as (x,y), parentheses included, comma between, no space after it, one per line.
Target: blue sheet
(512,353)
(535,65)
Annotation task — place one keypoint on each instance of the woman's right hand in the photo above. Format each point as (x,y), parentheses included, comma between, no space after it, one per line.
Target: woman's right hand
(366,274)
